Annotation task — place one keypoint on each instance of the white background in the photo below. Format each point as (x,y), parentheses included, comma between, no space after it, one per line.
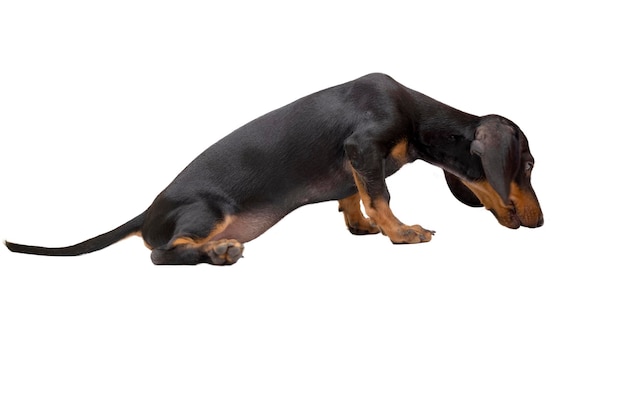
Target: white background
(103,103)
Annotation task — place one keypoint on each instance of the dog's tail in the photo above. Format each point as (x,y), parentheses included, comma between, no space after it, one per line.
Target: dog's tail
(91,245)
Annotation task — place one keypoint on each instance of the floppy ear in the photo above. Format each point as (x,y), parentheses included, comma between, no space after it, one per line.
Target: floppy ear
(498,148)
(460,191)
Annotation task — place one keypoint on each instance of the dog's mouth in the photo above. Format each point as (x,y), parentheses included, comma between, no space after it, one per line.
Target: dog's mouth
(522,209)
(520,212)
(507,218)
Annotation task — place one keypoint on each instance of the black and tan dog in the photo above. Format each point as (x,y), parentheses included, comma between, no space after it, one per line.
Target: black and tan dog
(337,144)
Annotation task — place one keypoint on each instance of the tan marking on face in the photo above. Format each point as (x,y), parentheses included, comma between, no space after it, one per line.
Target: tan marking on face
(505,213)
(485,193)
(524,209)
(527,206)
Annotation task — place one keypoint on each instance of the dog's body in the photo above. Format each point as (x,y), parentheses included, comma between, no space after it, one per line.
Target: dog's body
(337,144)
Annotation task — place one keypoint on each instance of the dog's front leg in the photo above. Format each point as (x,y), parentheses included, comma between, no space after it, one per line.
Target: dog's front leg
(367,159)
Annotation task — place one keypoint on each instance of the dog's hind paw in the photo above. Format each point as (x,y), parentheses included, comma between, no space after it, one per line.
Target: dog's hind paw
(224,252)
(363,228)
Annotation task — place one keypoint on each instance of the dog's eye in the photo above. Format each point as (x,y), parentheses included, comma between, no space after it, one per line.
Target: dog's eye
(529,166)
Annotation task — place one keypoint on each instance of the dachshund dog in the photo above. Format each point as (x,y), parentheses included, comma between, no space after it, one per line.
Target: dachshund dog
(337,144)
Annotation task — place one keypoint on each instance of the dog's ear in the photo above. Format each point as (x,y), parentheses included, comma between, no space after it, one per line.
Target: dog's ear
(460,191)
(496,143)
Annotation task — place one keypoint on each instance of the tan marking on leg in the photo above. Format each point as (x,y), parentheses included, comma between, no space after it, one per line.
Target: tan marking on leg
(393,228)
(220,251)
(380,212)
(197,242)
(356,222)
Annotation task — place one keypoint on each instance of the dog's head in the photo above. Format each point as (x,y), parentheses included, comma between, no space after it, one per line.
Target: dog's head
(501,149)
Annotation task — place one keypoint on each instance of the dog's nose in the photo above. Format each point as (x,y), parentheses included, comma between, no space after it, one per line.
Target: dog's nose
(532,223)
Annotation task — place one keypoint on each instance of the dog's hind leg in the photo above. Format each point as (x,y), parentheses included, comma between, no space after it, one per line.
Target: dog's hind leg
(191,234)
(219,252)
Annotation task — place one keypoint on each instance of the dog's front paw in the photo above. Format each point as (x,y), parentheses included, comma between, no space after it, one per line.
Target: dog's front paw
(411,234)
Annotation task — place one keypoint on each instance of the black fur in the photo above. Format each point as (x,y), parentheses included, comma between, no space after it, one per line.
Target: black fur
(311,151)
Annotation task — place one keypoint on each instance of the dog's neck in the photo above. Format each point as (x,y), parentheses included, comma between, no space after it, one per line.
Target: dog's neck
(432,116)
(442,135)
